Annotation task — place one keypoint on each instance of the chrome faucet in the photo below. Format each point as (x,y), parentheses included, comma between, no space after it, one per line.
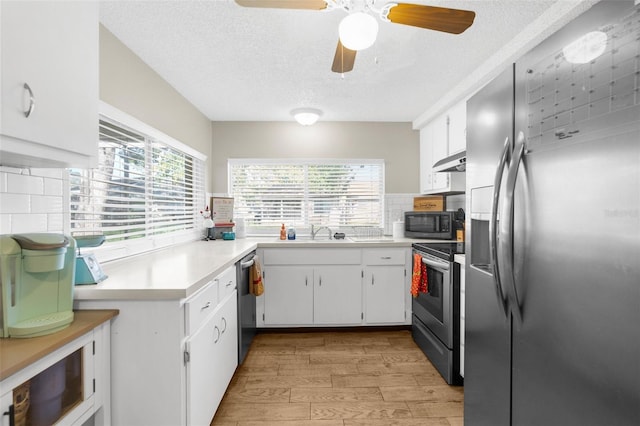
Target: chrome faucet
(314,231)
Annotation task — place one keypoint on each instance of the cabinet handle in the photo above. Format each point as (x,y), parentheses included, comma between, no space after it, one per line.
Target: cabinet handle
(385,257)
(229,283)
(225,325)
(320,281)
(373,279)
(32,101)
(206,306)
(12,415)
(306,281)
(218,334)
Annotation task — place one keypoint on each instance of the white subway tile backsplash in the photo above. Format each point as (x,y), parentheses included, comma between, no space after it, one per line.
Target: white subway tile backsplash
(49,173)
(53,187)
(14,203)
(55,223)
(395,206)
(21,223)
(3,182)
(25,184)
(33,200)
(5,223)
(46,204)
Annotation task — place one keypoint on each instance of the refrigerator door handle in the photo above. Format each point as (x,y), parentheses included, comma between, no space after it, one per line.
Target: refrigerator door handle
(493,229)
(506,228)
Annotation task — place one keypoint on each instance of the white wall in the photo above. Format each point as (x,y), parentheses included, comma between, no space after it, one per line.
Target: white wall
(130,85)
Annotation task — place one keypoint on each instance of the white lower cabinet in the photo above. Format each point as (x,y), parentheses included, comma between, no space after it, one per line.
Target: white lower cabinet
(211,359)
(172,360)
(384,295)
(289,299)
(307,295)
(385,285)
(334,287)
(337,295)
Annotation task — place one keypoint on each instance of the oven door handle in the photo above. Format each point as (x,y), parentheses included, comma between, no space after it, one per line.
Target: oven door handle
(493,228)
(436,265)
(507,230)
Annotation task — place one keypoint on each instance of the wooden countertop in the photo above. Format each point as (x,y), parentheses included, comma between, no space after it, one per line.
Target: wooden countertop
(16,354)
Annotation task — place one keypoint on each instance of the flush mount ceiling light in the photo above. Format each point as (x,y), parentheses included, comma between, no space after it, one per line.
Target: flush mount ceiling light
(586,48)
(306,116)
(358,31)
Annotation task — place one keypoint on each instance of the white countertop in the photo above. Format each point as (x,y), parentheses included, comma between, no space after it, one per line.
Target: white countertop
(172,273)
(179,271)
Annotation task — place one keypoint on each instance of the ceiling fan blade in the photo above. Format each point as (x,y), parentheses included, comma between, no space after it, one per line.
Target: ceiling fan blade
(453,21)
(343,60)
(285,4)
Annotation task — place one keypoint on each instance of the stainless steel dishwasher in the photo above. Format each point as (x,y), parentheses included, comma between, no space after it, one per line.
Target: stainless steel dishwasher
(246,306)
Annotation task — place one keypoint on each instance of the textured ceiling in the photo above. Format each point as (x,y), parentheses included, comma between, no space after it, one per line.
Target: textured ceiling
(248,64)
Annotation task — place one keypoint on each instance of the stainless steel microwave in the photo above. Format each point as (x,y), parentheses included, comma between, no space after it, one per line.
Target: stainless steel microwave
(435,225)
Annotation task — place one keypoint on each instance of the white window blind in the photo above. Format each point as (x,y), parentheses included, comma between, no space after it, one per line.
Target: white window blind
(268,193)
(143,188)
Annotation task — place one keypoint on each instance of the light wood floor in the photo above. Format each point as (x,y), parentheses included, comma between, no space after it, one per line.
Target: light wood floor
(338,379)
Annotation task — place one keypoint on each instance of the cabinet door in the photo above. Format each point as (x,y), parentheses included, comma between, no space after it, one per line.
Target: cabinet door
(213,358)
(458,127)
(337,295)
(53,48)
(384,294)
(426,159)
(288,295)
(227,355)
(440,149)
(202,369)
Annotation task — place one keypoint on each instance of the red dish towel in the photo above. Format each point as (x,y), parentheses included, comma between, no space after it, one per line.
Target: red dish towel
(415,277)
(423,287)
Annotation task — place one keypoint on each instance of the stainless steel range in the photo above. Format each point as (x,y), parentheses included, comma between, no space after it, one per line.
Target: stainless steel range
(436,309)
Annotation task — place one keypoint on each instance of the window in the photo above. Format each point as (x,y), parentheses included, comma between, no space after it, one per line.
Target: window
(144,193)
(268,193)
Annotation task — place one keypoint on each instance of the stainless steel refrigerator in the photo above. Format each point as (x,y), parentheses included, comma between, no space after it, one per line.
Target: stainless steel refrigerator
(553,235)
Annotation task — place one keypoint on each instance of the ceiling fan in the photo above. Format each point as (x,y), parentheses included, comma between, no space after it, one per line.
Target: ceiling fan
(358,30)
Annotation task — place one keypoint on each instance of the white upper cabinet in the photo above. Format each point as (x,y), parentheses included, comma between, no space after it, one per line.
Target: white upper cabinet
(443,136)
(458,127)
(49,77)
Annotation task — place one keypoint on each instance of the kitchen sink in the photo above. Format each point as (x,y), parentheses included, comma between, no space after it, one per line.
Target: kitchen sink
(317,240)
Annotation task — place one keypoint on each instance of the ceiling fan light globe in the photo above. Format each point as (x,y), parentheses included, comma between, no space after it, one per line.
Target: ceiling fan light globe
(358,31)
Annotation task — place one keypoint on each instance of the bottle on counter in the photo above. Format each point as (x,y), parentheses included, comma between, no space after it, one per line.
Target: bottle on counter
(283,233)
(291,233)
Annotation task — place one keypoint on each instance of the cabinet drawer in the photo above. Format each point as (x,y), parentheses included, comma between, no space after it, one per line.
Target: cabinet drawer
(227,282)
(384,256)
(198,307)
(334,256)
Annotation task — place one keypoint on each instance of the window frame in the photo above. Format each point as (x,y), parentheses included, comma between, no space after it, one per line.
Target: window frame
(151,240)
(305,226)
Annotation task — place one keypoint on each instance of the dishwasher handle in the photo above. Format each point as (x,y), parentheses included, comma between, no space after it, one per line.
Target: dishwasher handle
(249,263)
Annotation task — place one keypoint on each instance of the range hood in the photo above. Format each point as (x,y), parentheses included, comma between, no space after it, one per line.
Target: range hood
(454,163)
